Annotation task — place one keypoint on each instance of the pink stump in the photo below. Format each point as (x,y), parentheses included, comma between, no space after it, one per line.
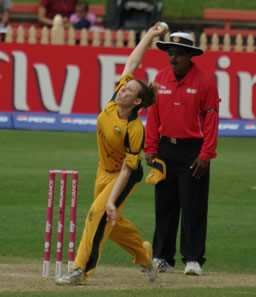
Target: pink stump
(72,228)
(63,184)
(48,230)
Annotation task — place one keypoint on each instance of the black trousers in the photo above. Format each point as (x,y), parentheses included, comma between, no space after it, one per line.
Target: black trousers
(180,198)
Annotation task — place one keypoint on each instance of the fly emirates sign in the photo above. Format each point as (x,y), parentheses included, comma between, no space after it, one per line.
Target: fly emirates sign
(77,79)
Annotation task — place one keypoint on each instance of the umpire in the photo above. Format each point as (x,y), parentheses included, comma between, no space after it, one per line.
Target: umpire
(182,130)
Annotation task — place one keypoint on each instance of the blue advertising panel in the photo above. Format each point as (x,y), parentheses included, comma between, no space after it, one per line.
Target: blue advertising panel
(88,123)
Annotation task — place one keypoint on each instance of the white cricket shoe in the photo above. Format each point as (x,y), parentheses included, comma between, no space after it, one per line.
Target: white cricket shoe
(193,268)
(72,278)
(150,269)
(163,266)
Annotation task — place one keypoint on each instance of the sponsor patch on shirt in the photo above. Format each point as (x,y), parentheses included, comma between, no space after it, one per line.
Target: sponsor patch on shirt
(162,90)
(191,91)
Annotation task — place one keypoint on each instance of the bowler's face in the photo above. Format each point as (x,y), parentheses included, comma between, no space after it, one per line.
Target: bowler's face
(128,95)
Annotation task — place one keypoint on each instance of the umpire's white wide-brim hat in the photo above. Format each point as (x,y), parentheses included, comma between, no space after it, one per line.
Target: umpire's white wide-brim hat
(180,39)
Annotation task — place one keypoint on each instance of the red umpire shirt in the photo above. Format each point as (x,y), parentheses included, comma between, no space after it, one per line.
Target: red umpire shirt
(182,110)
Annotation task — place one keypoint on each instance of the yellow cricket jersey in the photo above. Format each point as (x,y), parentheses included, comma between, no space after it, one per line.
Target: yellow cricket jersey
(118,139)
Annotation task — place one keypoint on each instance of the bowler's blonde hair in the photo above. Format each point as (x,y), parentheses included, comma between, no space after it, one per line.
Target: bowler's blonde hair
(147,94)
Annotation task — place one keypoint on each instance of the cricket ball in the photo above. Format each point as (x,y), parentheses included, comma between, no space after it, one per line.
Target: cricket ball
(163,25)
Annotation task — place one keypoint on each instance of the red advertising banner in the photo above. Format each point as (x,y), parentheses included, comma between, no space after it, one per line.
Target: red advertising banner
(236,81)
(77,79)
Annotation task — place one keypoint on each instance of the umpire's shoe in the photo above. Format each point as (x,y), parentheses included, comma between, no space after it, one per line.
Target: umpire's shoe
(72,278)
(150,269)
(193,268)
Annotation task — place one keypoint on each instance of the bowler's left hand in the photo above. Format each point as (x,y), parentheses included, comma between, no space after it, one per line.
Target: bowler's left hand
(199,167)
(111,212)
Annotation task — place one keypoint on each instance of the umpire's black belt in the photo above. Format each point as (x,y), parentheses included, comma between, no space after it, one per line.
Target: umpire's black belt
(183,140)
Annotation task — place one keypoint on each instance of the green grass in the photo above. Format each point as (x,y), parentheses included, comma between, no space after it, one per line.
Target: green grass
(188,9)
(27,157)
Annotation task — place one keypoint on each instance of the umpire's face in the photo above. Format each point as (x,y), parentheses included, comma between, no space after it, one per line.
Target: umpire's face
(179,57)
(128,95)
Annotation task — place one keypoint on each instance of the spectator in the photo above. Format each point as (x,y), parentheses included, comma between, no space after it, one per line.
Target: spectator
(79,19)
(49,8)
(182,130)
(5,5)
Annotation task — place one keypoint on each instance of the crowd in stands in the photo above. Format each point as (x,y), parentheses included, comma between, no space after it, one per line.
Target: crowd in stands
(74,12)
(124,14)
